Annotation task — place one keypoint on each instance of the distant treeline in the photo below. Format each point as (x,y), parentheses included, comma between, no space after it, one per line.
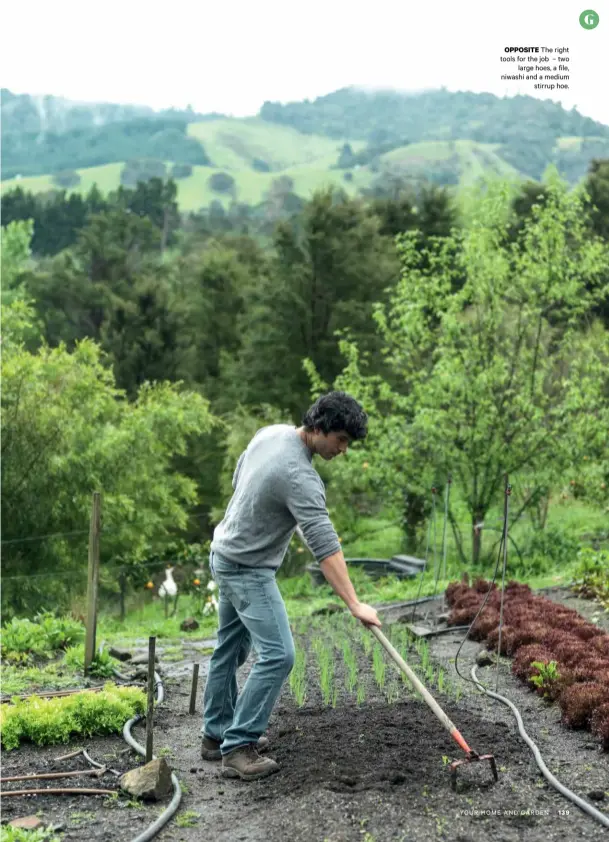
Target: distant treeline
(34,154)
(525,128)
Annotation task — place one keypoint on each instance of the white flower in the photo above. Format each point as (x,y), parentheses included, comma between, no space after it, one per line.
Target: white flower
(211,585)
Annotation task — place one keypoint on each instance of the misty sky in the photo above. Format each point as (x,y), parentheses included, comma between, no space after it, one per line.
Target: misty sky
(232,56)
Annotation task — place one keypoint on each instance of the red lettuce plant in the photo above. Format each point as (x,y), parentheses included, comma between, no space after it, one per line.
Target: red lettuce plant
(579,701)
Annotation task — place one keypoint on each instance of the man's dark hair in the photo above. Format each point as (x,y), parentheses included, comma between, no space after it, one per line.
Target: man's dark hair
(334,412)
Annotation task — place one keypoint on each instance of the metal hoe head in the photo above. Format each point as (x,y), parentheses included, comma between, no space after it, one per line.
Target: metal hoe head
(471,757)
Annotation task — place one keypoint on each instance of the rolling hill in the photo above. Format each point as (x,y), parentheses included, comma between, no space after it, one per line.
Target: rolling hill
(350,139)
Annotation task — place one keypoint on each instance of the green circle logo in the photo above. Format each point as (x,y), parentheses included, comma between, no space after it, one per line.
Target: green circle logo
(589,19)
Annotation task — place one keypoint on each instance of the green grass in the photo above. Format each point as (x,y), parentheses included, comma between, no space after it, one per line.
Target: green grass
(149,620)
(232,144)
(194,192)
(474,158)
(20,680)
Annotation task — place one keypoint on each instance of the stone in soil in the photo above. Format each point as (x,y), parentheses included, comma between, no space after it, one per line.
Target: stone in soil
(119,654)
(26,822)
(150,782)
(189,624)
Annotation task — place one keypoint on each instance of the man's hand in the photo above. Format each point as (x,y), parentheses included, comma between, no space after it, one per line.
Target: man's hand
(366,613)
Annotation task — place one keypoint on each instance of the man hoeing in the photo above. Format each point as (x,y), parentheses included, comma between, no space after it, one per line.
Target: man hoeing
(276,490)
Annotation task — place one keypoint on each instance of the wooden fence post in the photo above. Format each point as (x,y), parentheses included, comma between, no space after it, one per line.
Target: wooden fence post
(193,688)
(92,579)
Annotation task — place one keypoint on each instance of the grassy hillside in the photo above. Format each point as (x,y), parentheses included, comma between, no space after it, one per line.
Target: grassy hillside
(471,159)
(194,192)
(234,144)
(243,146)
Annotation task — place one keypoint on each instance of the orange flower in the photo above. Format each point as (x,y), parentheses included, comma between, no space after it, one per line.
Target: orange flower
(196,582)
(149,585)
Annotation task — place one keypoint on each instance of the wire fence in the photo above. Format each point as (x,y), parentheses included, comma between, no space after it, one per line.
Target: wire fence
(136,590)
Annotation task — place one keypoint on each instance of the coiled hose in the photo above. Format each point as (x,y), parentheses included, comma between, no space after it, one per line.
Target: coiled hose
(173,805)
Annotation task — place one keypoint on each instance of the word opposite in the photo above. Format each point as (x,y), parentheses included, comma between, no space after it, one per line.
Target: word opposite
(531,66)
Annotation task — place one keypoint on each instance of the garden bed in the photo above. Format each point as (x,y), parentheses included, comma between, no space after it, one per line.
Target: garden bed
(371,771)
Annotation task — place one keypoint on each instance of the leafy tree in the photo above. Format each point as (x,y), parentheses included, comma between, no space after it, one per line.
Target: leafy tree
(142,169)
(115,245)
(221,182)
(68,431)
(597,188)
(155,200)
(77,291)
(260,165)
(50,150)
(67,178)
(15,253)
(346,157)
(331,263)
(57,217)
(143,335)
(181,170)
(498,376)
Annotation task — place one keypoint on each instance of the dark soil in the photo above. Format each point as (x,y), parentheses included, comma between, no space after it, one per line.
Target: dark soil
(374,772)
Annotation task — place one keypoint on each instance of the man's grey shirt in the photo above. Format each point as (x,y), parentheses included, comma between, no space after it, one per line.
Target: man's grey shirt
(276,489)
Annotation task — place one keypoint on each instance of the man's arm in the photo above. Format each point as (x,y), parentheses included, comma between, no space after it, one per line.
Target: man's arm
(334,568)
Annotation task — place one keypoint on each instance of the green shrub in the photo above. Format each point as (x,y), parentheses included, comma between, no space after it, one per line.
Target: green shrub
(101,666)
(50,721)
(22,638)
(591,576)
(221,182)
(142,169)
(550,548)
(60,632)
(181,170)
(66,178)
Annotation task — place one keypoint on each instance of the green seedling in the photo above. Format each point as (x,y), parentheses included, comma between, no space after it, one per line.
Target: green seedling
(188,819)
(378,663)
(547,675)
(298,677)
(361,694)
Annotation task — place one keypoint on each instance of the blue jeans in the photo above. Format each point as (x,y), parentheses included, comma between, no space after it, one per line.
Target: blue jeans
(250,611)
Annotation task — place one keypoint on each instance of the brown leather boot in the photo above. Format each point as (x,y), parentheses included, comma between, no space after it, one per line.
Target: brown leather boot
(210,749)
(246,763)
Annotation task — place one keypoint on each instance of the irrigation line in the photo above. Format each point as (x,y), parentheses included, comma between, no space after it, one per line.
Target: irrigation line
(416,600)
(444,545)
(554,782)
(508,491)
(68,791)
(561,788)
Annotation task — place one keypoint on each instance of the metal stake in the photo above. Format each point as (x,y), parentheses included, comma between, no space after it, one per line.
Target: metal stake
(150,704)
